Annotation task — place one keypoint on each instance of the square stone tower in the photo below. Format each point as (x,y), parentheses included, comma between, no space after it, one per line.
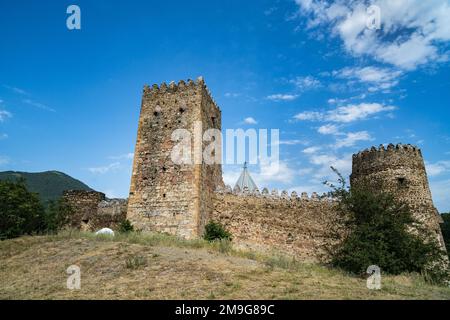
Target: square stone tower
(166,196)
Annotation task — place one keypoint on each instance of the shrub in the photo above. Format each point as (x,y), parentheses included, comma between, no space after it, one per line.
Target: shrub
(125,226)
(215,231)
(20,210)
(383,232)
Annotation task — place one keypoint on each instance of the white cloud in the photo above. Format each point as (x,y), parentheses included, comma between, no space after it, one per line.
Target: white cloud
(309,116)
(282,97)
(128,156)
(268,173)
(412,31)
(273,172)
(377,78)
(232,94)
(351,138)
(105,169)
(353,112)
(38,105)
(16,90)
(328,129)
(438,168)
(230,177)
(440,190)
(293,142)
(3,136)
(311,150)
(324,162)
(4,115)
(305,83)
(250,120)
(345,114)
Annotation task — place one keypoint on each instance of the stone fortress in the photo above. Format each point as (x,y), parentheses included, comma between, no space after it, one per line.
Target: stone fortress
(180,199)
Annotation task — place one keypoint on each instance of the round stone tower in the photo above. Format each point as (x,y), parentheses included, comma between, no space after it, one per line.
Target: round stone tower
(399,170)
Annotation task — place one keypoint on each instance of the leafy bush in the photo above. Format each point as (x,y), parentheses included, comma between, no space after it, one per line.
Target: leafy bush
(383,232)
(215,231)
(126,226)
(20,211)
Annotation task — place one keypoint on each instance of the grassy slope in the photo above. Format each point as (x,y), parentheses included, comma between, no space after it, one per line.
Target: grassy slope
(49,185)
(162,267)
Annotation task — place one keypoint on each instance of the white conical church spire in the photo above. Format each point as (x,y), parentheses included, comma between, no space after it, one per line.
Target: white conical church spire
(245,180)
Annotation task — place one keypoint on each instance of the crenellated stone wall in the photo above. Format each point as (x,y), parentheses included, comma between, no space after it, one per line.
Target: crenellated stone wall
(268,221)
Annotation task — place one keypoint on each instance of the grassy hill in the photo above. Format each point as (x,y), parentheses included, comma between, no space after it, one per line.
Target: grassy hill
(49,185)
(155,266)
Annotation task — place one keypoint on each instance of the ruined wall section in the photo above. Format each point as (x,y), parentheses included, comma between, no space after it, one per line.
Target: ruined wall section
(93,211)
(166,196)
(300,226)
(84,205)
(400,170)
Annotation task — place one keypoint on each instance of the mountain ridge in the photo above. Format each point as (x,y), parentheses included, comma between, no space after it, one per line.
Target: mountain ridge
(50,185)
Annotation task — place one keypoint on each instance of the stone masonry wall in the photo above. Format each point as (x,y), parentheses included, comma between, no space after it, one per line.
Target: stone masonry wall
(299,226)
(166,196)
(93,211)
(84,205)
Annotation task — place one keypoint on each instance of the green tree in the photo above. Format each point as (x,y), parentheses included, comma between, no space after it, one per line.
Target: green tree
(379,232)
(20,210)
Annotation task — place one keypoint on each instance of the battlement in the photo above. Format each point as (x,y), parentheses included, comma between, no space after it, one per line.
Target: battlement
(274,194)
(391,156)
(174,87)
(390,148)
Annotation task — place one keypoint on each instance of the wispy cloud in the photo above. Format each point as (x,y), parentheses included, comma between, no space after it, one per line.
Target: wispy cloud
(376,78)
(3,136)
(105,169)
(4,115)
(437,168)
(38,105)
(312,150)
(16,90)
(293,142)
(345,114)
(232,95)
(351,138)
(282,97)
(305,83)
(122,156)
(412,32)
(328,129)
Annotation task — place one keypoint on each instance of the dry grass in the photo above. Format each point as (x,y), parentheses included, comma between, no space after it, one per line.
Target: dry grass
(157,266)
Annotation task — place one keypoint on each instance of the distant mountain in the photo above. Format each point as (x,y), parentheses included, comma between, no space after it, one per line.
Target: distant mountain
(49,185)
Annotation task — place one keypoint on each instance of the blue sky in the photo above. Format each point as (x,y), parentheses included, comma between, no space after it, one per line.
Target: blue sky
(69,100)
